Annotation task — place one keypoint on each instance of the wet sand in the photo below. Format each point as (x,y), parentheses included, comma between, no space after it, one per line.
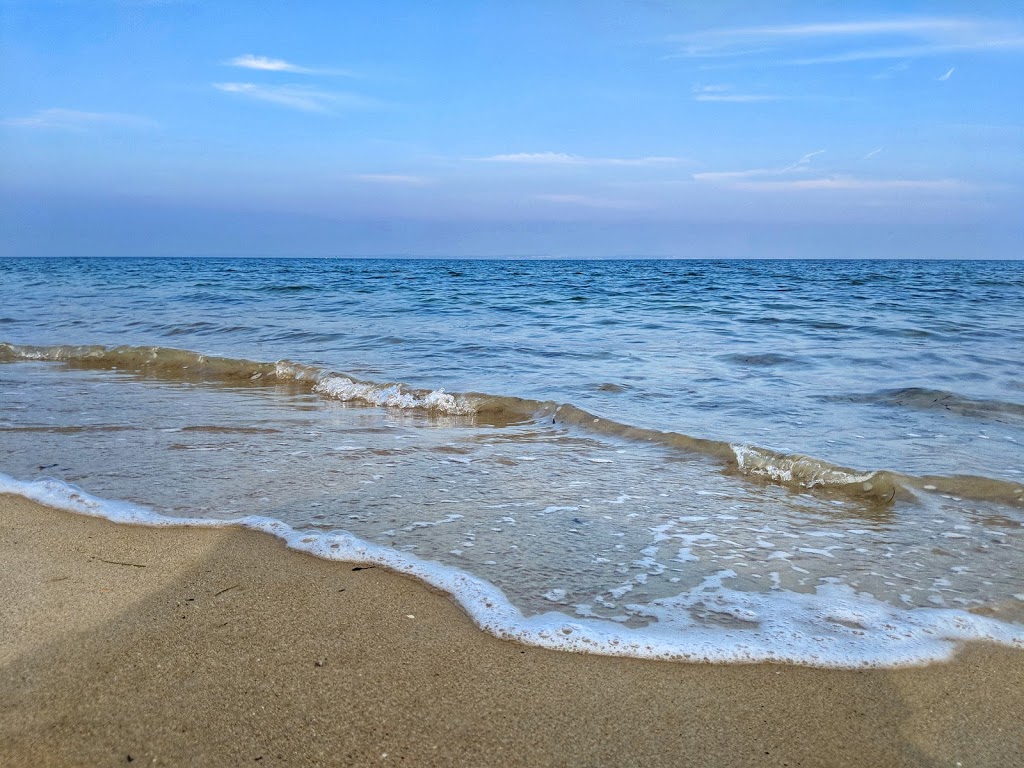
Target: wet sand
(176,646)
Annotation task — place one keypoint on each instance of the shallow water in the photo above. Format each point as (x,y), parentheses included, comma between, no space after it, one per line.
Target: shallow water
(676,457)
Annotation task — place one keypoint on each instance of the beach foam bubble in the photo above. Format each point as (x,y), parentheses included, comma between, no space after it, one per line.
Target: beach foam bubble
(393,396)
(833,626)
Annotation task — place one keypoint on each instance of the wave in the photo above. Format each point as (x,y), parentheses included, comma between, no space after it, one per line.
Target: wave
(392,396)
(921,398)
(834,626)
(163,361)
(809,472)
(795,471)
(179,364)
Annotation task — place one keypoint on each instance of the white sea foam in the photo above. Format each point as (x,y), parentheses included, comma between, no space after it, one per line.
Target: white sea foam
(806,471)
(392,396)
(834,626)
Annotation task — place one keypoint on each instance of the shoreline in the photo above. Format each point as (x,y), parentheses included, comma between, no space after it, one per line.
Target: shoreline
(220,646)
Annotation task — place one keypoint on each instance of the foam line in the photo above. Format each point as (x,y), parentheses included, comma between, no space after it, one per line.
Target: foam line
(831,627)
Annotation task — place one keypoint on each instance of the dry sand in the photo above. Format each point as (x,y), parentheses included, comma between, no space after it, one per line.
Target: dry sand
(183,646)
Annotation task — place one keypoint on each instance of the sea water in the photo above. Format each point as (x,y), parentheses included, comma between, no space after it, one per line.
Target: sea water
(812,461)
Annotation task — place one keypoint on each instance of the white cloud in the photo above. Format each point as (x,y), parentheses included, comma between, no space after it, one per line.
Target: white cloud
(909,52)
(267,64)
(796,177)
(804,160)
(731,176)
(73,119)
(949,74)
(850,183)
(870,39)
(248,61)
(562,158)
(302,98)
(393,178)
(723,39)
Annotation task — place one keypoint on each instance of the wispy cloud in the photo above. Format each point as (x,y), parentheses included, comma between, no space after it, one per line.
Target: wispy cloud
(562,158)
(73,119)
(915,51)
(398,179)
(248,61)
(781,180)
(800,176)
(267,64)
(752,173)
(588,201)
(851,183)
(817,43)
(803,161)
(725,93)
(949,74)
(306,99)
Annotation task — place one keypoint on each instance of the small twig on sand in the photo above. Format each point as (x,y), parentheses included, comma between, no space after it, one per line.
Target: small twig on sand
(119,562)
(226,589)
(363,567)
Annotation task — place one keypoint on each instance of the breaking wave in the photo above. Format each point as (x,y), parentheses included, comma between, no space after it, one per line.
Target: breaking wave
(791,470)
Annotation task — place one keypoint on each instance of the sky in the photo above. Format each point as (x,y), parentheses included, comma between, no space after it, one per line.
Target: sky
(597,128)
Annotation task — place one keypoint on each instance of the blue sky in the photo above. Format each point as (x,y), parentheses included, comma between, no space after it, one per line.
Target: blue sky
(602,128)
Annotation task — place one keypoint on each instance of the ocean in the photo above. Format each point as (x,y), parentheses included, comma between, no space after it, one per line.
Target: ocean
(819,462)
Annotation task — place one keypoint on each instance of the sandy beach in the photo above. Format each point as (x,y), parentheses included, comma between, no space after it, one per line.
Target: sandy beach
(220,647)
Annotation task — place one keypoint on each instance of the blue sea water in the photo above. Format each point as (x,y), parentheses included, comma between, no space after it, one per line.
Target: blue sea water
(818,461)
